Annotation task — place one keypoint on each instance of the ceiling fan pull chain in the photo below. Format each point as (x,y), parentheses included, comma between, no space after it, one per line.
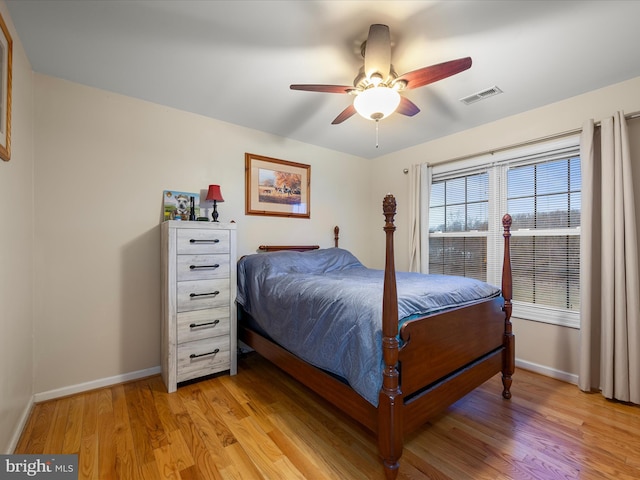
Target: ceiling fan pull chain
(377,124)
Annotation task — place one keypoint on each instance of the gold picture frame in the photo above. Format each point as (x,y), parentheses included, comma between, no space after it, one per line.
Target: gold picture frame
(6,64)
(277,187)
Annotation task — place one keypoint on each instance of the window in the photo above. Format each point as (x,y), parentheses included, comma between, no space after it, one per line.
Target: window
(458,225)
(540,188)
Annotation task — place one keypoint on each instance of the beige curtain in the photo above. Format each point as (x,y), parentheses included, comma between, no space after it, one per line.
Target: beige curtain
(610,286)
(419,193)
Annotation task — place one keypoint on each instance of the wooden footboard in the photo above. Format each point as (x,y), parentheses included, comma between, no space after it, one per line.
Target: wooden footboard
(440,344)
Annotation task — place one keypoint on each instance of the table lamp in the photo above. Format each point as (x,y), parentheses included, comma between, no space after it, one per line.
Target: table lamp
(215,195)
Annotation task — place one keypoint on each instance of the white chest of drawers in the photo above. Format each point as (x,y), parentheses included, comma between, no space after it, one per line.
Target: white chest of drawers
(198,300)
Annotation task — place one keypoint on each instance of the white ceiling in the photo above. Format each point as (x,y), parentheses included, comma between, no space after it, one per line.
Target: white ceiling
(234,60)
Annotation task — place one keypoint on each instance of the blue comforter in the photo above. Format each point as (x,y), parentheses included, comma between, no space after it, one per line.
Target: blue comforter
(326,307)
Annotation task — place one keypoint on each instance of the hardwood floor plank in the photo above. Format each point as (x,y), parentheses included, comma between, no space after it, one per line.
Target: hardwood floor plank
(214,402)
(417,468)
(73,429)
(301,458)
(141,442)
(204,461)
(162,401)
(55,440)
(241,466)
(124,461)
(151,419)
(106,435)
(264,453)
(206,432)
(322,437)
(261,424)
(179,450)
(39,428)
(88,456)
(167,468)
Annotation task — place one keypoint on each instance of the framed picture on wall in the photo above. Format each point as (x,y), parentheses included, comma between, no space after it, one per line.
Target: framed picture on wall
(6,60)
(277,187)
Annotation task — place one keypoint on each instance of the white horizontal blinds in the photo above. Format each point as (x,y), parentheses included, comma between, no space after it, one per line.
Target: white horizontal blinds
(462,256)
(458,225)
(543,199)
(539,185)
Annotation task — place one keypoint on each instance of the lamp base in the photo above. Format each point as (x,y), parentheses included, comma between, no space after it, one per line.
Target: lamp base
(215,212)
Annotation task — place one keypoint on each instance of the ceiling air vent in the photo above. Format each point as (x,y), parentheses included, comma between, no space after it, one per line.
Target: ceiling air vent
(476,97)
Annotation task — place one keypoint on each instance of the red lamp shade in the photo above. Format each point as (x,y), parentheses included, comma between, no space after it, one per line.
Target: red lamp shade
(214,193)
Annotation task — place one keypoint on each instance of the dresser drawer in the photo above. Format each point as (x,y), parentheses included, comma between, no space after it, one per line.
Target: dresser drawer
(198,267)
(199,294)
(199,324)
(202,241)
(203,357)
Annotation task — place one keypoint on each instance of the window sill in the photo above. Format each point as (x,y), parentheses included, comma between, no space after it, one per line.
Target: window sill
(553,316)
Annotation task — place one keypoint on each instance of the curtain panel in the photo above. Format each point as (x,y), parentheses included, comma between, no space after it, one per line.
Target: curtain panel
(419,193)
(610,285)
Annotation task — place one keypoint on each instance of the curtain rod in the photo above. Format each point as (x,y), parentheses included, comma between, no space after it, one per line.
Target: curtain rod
(555,136)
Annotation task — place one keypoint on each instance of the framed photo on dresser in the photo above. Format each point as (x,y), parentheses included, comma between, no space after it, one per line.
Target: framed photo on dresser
(177,205)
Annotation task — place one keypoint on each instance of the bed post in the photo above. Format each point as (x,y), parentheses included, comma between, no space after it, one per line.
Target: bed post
(336,232)
(508,354)
(390,398)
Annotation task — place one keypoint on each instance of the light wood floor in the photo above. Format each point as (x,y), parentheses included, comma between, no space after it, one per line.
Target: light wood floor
(261,424)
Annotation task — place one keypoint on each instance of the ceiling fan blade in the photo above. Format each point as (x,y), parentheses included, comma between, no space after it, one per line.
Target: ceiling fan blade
(407,107)
(377,53)
(346,113)
(323,88)
(426,75)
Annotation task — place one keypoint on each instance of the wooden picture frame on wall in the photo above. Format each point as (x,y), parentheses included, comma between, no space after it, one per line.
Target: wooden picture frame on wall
(277,187)
(6,63)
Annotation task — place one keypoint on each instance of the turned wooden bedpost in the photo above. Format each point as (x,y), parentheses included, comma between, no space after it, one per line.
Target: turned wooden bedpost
(508,354)
(336,232)
(390,398)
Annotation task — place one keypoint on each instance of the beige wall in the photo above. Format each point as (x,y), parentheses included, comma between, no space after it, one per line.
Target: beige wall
(16,254)
(102,162)
(546,348)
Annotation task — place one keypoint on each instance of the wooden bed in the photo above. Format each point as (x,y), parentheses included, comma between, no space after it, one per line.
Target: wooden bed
(443,356)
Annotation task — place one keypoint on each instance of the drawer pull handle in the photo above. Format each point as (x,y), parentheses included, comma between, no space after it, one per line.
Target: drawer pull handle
(193,355)
(193,267)
(215,240)
(203,294)
(196,325)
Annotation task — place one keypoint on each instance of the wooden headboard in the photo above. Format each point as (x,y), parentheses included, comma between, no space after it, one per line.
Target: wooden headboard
(299,248)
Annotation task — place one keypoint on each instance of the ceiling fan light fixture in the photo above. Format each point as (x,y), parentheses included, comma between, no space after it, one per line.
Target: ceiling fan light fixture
(377,103)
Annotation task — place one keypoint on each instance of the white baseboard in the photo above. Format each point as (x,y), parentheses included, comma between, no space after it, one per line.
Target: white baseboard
(94,384)
(13,442)
(547,371)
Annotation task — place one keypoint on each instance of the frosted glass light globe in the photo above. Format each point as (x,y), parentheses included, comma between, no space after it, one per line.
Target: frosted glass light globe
(377,103)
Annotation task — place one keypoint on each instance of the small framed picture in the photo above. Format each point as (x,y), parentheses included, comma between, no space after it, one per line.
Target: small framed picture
(177,205)
(277,187)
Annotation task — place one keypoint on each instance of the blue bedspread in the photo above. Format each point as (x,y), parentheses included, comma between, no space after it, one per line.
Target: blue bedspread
(326,307)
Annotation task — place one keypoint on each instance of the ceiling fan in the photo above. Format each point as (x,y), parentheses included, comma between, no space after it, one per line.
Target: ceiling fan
(377,86)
